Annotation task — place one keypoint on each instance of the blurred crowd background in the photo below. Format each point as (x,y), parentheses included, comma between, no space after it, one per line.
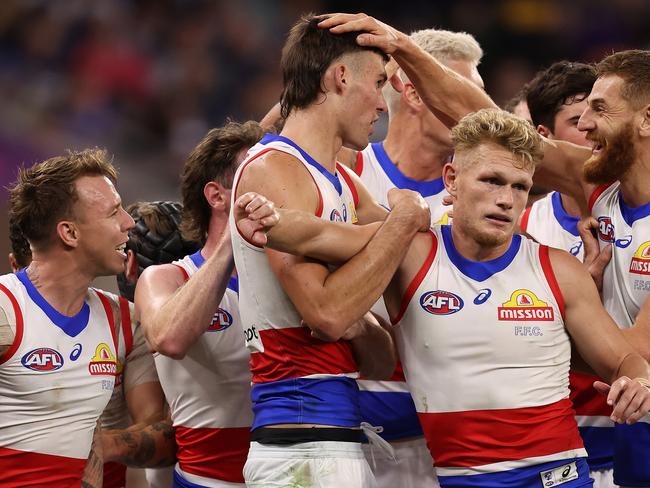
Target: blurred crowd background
(147,78)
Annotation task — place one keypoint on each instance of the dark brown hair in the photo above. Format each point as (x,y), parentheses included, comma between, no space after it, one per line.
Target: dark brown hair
(562,83)
(306,55)
(634,67)
(44,194)
(213,159)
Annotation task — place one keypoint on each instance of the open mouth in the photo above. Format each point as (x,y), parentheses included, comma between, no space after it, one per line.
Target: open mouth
(121,248)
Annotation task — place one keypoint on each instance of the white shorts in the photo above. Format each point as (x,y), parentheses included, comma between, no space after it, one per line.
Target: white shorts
(160,477)
(322,464)
(413,469)
(603,478)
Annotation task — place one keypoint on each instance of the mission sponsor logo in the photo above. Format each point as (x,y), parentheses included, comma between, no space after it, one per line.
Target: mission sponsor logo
(221,320)
(103,362)
(605,229)
(440,302)
(43,359)
(525,306)
(640,263)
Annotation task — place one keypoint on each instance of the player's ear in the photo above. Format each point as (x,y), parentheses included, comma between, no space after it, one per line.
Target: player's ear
(644,127)
(340,74)
(131,269)
(542,130)
(450,173)
(216,195)
(68,232)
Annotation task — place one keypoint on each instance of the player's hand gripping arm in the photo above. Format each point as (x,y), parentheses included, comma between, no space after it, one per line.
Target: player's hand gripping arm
(600,342)
(330,302)
(298,232)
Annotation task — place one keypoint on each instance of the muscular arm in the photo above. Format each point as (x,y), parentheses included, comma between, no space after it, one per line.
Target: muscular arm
(330,302)
(600,342)
(596,336)
(639,334)
(173,313)
(301,233)
(93,475)
(148,445)
(150,441)
(561,170)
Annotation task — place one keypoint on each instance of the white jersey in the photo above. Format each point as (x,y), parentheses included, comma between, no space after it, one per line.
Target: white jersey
(55,381)
(548,223)
(379,175)
(486,357)
(626,283)
(296,378)
(208,392)
(626,286)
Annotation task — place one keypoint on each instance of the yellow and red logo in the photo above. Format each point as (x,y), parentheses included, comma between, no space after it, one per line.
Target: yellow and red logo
(103,362)
(640,263)
(525,306)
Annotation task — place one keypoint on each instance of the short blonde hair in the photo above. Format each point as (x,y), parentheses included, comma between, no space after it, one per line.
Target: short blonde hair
(501,128)
(446,45)
(443,45)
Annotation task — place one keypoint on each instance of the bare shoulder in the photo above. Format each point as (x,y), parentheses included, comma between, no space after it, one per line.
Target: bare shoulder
(282,178)
(168,273)
(571,275)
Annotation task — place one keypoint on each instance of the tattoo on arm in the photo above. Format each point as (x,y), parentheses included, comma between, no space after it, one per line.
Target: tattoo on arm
(93,475)
(151,446)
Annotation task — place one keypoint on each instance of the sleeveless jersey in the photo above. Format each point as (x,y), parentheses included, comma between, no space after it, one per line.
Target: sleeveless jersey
(379,174)
(548,223)
(55,381)
(208,392)
(135,367)
(296,378)
(388,403)
(486,357)
(626,285)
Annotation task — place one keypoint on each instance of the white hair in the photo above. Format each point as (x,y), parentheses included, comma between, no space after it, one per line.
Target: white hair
(443,45)
(446,45)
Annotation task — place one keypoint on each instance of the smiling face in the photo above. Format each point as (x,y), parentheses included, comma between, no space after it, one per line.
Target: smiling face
(490,186)
(103,226)
(363,101)
(608,124)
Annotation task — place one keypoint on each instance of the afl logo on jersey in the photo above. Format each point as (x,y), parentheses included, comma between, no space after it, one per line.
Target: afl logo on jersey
(42,359)
(335,216)
(103,362)
(440,302)
(525,306)
(605,229)
(220,321)
(640,263)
